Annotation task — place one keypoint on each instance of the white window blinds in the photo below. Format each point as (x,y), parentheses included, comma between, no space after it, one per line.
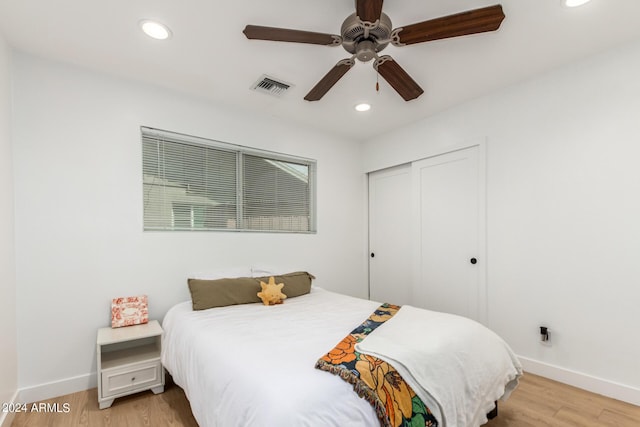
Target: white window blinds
(192,183)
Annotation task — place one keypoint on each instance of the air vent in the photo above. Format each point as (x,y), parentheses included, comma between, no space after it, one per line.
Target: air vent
(271,86)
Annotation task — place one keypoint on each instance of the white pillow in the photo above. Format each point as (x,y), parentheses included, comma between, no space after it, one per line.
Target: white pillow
(262,270)
(222,273)
(269,270)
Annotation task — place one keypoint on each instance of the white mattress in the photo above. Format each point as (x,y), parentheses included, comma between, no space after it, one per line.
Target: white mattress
(252,365)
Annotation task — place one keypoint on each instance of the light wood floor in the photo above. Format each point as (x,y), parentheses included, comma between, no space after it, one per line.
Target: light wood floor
(537,402)
(541,402)
(170,408)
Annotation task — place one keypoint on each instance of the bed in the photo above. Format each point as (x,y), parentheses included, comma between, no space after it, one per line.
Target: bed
(255,365)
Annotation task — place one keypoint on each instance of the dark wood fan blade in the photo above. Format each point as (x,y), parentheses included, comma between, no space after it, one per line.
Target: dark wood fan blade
(330,79)
(398,78)
(460,24)
(286,35)
(369,10)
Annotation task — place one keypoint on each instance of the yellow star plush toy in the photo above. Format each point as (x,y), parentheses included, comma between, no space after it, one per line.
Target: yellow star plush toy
(271,292)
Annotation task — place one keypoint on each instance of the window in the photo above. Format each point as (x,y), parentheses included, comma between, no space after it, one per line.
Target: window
(192,183)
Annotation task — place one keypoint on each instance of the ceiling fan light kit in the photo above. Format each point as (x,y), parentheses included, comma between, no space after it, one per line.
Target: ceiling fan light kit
(368,31)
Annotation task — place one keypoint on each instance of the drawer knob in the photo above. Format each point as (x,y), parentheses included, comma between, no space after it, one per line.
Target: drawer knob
(133,378)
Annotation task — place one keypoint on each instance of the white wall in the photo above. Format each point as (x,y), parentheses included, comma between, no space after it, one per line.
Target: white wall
(8,348)
(79,238)
(563,182)
(563,209)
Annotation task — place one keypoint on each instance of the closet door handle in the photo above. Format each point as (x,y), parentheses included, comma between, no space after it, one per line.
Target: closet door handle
(473,261)
(373,255)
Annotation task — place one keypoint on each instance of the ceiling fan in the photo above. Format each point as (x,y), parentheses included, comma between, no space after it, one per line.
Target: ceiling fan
(368,31)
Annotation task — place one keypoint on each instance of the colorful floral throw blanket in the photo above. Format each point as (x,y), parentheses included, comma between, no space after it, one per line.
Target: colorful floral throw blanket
(396,404)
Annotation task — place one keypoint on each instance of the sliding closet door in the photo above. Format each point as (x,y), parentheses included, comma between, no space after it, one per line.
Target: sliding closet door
(389,235)
(448,192)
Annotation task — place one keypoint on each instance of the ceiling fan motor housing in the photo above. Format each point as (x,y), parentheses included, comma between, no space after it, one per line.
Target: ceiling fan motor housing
(363,39)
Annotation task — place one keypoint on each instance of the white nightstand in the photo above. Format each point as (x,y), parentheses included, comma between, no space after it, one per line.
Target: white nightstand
(129,361)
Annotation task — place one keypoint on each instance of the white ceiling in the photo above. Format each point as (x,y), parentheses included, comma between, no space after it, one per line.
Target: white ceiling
(208,54)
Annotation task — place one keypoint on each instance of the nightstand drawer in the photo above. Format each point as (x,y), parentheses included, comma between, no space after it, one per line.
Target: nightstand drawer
(129,378)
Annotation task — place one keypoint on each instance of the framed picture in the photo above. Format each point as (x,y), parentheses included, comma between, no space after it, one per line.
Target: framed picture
(129,311)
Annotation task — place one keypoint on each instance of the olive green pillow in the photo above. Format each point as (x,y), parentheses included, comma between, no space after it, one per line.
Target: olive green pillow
(222,292)
(243,290)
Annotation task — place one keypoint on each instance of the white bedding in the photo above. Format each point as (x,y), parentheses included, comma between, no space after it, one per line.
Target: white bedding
(253,365)
(468,366)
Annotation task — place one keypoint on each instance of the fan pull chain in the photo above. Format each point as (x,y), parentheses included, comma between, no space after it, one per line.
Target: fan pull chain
(377,82)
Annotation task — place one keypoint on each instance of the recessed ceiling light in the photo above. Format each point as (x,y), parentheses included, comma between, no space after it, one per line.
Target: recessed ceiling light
(155,29)
(575,3)
(363,107)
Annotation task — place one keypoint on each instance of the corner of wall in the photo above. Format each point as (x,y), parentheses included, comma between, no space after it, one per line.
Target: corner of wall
(6,418)
(8,314)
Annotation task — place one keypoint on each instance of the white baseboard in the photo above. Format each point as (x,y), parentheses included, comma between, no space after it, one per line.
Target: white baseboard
(57,388)
(593,384)
(6,418)
(587,382)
